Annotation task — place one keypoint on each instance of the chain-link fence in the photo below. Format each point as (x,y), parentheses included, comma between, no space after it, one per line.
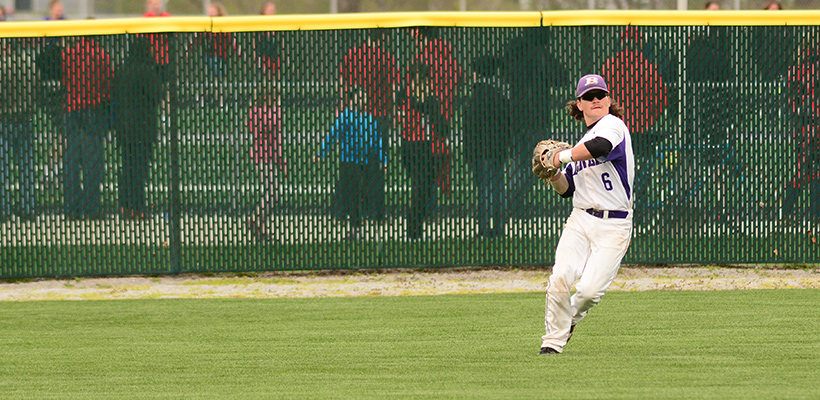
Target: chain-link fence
(394,147)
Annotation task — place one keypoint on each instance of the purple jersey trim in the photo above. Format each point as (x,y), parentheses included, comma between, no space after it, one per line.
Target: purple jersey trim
(618,159)
(571,189)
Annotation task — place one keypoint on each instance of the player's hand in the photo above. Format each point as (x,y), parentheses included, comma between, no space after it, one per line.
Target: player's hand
(544,158)
(556,161)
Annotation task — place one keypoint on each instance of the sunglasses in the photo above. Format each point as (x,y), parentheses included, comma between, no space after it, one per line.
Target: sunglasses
(594,95)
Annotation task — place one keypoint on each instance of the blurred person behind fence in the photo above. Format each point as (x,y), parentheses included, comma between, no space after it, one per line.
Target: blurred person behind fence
(422,119)
(138,93)
(55,11)
(87,78)
(49,65)
(268,8)
(269,48)
(711,6)
(160,46)
(802,103)
(155,8)
(372,68)
(709,71)
(438,54)
(265,126)
(534,74)
(356,132)
(772,48)
(486,142)
(18,102)
(216,48)
(641,90)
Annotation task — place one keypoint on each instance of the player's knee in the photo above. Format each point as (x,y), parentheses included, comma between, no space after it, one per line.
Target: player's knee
(588,297)
(558,283)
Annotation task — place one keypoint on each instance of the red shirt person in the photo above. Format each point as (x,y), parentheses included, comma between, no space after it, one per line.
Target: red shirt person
(153,8)
(373,69)
(159,44)
(444,79)
(636,83)
(87,79)
(445,72)
(87,74)
(802,84)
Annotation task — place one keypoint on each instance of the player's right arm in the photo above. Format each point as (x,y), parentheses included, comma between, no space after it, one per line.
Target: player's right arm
(594,148)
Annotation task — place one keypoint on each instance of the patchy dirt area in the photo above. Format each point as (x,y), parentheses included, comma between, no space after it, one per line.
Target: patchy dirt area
(394,283)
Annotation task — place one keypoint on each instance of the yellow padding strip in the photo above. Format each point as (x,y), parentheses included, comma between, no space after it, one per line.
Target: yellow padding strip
(376,20)
(111,26)
(396,20)
(678,18)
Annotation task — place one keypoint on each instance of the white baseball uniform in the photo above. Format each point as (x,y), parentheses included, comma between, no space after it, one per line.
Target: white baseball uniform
(597,232)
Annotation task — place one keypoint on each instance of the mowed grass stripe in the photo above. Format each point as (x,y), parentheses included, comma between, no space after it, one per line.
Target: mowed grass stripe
(753,344)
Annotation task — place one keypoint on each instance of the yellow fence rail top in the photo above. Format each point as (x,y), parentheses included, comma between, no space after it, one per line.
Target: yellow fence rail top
(111,26)
(116,26)
(377,20)
(679,18)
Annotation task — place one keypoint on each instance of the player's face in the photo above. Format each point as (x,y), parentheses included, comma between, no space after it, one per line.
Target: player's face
(594,105)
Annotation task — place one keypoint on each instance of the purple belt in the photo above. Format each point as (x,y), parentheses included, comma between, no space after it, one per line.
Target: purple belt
(604,214)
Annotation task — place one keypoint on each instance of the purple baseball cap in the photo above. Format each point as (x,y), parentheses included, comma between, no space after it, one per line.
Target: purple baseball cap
(590,82)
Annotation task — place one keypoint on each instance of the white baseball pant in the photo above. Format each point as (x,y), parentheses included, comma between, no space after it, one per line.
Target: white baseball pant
(589,251)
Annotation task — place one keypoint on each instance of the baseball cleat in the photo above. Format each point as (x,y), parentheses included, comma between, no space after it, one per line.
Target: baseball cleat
(548,350)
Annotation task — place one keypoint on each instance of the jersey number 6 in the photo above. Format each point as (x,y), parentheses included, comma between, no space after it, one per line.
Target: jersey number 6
(607,182)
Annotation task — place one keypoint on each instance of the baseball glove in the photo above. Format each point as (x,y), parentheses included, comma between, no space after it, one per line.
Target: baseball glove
(547,148)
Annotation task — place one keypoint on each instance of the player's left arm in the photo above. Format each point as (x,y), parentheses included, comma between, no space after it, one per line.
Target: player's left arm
(560,182)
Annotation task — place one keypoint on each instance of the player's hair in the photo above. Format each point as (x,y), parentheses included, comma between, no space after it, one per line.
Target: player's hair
(614,109)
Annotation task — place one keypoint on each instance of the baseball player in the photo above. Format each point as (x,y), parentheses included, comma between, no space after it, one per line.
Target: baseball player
(598,174)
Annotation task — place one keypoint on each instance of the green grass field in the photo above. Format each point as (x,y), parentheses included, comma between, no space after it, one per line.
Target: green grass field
(641,345)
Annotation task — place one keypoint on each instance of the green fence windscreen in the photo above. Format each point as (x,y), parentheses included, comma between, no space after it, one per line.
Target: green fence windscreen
(395,147)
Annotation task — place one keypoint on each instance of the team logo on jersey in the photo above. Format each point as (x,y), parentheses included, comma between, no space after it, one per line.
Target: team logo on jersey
(579,166)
